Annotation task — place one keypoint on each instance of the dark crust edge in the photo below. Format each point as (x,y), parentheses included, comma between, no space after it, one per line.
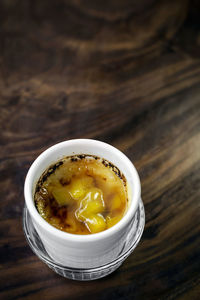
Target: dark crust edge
(52,168)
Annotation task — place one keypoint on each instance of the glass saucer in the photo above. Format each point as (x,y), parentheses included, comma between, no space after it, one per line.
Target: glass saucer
(133,238)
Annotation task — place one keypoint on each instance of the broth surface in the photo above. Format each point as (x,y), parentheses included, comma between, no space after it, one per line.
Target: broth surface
(81,195)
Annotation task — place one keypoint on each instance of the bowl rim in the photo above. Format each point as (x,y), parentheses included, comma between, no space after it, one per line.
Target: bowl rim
(29,181)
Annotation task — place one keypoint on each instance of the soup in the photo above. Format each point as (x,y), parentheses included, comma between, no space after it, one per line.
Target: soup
(82,194)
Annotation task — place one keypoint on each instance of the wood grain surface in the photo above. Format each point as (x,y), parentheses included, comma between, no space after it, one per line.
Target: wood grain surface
(124,72)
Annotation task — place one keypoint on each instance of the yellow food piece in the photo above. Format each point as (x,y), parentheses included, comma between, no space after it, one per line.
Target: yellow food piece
(91,208)
(115,203)
(80,186)
(89,211)
(73,168)
(62,196)
(103,172)
(111,221)
(95,223)
(93,203)
(108,187)
(94,207)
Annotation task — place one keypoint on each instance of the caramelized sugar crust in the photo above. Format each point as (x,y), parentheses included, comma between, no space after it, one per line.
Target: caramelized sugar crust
(81,194)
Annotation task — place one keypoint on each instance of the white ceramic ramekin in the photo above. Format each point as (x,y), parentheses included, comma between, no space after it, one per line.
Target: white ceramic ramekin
(82,251)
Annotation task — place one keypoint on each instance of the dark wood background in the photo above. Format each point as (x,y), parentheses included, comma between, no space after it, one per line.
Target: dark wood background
(127,73)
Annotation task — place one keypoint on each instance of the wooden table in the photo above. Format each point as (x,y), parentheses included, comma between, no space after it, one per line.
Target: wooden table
(124,72)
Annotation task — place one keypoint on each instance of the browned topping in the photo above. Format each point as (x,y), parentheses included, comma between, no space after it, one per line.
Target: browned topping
(81,194)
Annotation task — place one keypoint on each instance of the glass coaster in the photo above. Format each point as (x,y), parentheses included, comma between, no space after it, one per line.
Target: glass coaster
(133,238)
